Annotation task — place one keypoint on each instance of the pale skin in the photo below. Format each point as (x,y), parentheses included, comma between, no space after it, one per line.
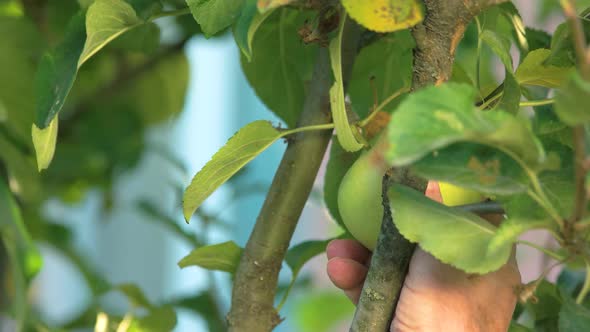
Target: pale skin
(434,296)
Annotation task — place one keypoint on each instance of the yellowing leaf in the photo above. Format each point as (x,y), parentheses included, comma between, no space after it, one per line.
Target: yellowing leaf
(384,15)
(244,146)
(44,141)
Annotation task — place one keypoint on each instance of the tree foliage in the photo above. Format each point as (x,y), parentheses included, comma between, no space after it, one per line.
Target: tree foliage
(81,82)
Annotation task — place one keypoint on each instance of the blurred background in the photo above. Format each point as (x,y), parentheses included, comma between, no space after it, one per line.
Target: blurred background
(112,215)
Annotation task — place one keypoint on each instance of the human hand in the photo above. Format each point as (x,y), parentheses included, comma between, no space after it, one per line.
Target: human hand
(434,295)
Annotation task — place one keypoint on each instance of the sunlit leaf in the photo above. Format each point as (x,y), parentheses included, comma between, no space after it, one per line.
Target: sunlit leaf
(247,25)
(44,141)
(510,229)
(215,15)
(221,257)
(344,131)
(105,21)
(385,15)
(435,117)
(533,71)
(453,236)
(240,149)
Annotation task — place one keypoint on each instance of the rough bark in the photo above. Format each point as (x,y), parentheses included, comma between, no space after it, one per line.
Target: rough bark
(436,38)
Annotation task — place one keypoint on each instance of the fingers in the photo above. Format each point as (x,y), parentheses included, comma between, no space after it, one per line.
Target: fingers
(433,191)
(348,275)
(347,266)
(348,248)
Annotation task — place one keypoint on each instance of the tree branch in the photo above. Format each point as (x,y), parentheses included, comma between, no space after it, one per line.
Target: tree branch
(257,275)
(436,38)
(579,134)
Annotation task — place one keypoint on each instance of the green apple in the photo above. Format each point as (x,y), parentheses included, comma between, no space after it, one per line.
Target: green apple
(359,199)
(453,195)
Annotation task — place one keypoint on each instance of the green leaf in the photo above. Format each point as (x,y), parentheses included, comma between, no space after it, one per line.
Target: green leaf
(135,295)
(500,46)
(159,93)
(384,67)
(511,95)
(244,146)
(21,43)
(57,72)
(474,166)
(515,327)
(559,187)
(215,15)
(563,53)
(338,164)
(105,21)
(568,105)
(435,117)
(321,311)
(247,25)
(453,236)
(147,8)
(266,5)
(221,257)
(44,141)
(159,319)
(298,255)
(546,308)
(344,130)
(573,317)
(385,15)
(533,71)
(22,168)
(25,260)
(518,28)
(3,112)
(510,229)
(144,38)
(537,39)
(281,66)
(15,234)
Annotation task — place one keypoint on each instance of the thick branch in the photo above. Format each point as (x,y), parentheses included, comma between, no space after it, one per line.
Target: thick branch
(389,266)
(436,38)
(256,279)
